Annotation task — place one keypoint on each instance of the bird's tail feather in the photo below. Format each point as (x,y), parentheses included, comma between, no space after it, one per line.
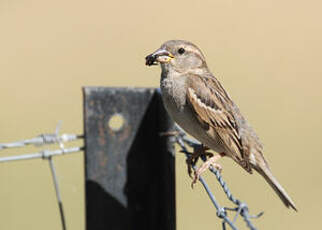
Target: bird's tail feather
(266,173)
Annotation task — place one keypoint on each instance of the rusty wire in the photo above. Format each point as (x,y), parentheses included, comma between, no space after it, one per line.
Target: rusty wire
(46,139)
(241,208)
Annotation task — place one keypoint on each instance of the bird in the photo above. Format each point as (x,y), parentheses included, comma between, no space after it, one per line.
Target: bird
(199,104)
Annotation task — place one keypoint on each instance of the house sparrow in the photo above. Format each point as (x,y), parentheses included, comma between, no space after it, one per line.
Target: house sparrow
(196,100)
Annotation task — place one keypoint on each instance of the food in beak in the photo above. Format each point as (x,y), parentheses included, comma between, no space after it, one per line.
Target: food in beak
(160,55)
(151,60)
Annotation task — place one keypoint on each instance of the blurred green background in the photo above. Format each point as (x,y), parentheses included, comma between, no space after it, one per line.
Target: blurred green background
(267,54)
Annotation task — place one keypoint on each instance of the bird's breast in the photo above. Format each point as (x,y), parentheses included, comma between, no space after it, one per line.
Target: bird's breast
(174,99)
(174,93)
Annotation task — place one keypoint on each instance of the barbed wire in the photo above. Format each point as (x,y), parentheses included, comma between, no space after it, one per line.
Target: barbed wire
(181,139)
(241,208)
(41,140)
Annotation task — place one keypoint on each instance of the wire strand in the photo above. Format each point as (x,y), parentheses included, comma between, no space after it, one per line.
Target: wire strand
(241,208)
(41,140)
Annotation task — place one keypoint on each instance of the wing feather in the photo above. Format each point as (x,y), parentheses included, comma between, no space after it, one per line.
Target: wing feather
(215,110)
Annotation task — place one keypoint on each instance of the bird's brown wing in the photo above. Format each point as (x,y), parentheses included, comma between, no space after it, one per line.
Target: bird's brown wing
(218,113)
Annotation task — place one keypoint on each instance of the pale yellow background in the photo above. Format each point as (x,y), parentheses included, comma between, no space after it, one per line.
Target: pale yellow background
(267,54)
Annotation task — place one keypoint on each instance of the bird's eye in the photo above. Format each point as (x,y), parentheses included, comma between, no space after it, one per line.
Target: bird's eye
(181,50)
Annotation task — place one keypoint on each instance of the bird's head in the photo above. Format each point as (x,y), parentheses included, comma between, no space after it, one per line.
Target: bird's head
(178,55)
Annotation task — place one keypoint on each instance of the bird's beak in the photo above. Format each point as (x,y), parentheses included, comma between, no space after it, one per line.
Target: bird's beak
(161,56)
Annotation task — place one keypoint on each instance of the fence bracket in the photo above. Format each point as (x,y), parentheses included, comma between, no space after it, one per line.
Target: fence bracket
(129,166)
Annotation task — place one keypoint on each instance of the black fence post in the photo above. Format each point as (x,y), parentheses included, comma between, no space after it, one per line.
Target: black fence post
(129,166)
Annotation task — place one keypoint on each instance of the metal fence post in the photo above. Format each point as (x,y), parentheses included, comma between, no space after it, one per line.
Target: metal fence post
(129,166)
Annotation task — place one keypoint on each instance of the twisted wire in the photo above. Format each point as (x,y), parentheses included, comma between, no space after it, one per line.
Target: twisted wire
(241,207)
(46,139)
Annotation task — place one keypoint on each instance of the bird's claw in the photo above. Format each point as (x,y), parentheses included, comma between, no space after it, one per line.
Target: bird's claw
(192,160)
(211,162)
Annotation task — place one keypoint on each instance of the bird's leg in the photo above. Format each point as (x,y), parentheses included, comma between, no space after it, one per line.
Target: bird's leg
(210,162)
(169,133)
(198,151)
